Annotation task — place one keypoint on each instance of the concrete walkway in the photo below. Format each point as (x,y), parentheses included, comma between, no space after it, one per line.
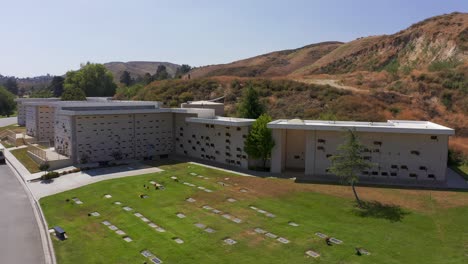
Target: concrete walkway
(75,180)
(8,121)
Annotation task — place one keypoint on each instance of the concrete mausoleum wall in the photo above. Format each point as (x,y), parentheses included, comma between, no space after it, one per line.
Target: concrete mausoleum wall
(395,155)
(213,142)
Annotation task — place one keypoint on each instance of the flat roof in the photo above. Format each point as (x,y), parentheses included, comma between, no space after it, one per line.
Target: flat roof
(391,126)
(221,120)
(70,111)
(202,103)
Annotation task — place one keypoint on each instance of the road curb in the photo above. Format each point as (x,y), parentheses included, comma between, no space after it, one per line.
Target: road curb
(47,246)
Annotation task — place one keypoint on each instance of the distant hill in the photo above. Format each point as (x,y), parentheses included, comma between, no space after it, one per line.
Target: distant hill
(137,68)
(439,38)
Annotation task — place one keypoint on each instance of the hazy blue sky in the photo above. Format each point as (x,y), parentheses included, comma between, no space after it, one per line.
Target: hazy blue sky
(53,36)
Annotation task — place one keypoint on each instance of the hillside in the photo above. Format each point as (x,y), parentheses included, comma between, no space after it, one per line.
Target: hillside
(272,64)
(438,38)
(138,68)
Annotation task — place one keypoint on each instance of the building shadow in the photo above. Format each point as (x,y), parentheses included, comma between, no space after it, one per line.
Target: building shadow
(375,209)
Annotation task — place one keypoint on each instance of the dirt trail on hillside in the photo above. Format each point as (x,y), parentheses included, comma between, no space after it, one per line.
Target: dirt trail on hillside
(333,83)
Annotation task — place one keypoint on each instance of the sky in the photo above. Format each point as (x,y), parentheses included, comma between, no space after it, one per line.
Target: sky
(55,36)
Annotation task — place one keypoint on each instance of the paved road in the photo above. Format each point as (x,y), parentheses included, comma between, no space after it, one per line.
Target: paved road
(20,240)
(8,121)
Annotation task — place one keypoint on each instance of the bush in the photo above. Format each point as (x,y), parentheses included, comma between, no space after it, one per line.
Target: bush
(44,166)
(444,65)
(50,175)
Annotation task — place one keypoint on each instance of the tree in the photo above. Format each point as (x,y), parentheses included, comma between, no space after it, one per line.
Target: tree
(259,142)
(93,79)
(126,78)
(56,86)
(73,94)
(41,93)
(349,163)
(147,78)
(7,102)
(161,73)
(11,85)
(183,69)
(250,106)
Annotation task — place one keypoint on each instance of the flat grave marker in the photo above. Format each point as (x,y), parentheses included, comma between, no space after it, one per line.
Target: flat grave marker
(190,200)
(146,253)
(180,215)
(321,235)
(283,240)
(127,239)
(153,225)
(138,215)
(193,174)
(227,216)
(270,215)
(178,240)
(160,229)
(77,201)
(152,182)
(106,223)
(362,251)
(120,232)
(259,231)
(144,219)
(293,224)
(237,220)
(155,260)
(128,209)
(117,203)
(216,211)
(209,230)
(112,227)
(336,241)
(207,207)
(271,235)
(312,253)
(107,196)
(231,200)
(200,225)
(95,214)
(230,241)
(243,190)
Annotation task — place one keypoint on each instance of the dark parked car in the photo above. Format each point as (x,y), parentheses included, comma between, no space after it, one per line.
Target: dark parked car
(2,157)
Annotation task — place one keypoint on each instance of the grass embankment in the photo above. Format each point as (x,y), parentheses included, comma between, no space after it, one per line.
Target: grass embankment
(422,226)
(26,160)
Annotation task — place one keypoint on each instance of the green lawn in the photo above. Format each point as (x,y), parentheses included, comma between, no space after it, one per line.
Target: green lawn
(23,157)
(434,233)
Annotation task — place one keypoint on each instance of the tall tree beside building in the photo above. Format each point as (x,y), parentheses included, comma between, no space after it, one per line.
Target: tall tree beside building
(93,79)
(259,142)
(7,102)
(349,163)
(11,85)
(126,78)
(250,106)
(56,86)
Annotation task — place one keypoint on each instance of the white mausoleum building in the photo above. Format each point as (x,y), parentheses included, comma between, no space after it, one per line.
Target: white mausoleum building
(103,130)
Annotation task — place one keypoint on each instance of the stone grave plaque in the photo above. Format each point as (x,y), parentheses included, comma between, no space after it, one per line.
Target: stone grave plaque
(321,235)
(230,241)
(180,215)
(283,240)
(190,200)
(312,253)
(107,196)
(138,215)
(106,223)
(112,227)
(200,225)
(95,214)
(120,232)
(259,231)
(128,209)
(127,239)
(271,235)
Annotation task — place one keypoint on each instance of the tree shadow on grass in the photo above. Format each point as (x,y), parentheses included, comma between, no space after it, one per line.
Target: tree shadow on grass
(375,209)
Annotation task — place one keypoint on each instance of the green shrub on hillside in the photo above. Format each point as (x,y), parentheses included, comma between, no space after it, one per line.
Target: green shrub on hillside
(440,65)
